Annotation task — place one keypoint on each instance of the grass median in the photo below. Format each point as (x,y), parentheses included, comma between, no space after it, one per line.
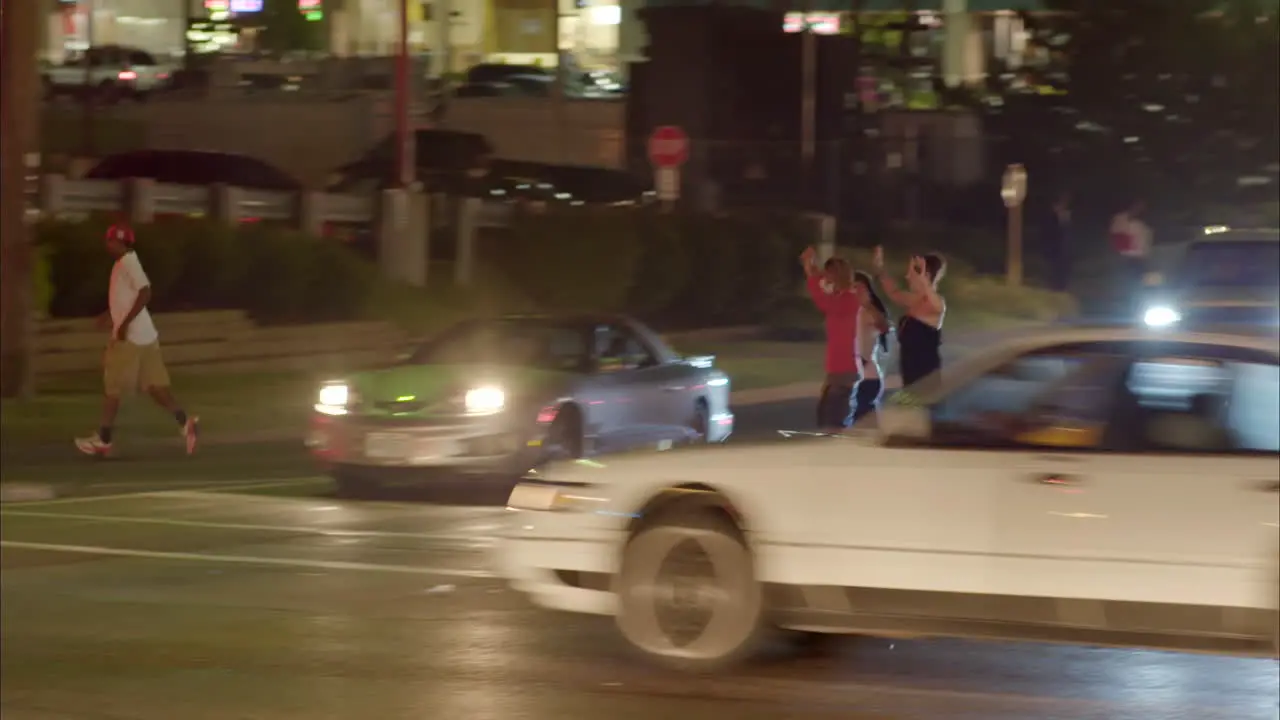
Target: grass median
(254,407)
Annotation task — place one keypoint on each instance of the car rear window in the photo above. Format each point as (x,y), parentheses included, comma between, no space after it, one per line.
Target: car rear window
(1229,263)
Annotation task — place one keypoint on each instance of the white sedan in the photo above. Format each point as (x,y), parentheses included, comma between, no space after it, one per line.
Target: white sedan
(1096,485)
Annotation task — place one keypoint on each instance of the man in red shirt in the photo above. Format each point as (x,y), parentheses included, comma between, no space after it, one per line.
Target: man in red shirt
(840,307)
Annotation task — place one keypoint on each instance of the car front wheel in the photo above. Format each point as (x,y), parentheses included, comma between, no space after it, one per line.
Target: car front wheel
(687,593)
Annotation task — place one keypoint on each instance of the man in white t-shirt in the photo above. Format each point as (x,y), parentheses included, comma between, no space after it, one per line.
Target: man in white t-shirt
(132,360)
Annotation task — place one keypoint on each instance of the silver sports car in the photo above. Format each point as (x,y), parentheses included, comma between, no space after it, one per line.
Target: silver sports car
(502,395)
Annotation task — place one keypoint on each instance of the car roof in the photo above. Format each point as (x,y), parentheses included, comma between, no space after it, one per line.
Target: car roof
(1260,338)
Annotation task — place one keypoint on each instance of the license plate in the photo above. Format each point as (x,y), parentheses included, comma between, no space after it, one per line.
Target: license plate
(388,446)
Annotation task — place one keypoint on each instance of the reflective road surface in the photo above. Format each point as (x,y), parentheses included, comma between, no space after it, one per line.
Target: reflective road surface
(274,602)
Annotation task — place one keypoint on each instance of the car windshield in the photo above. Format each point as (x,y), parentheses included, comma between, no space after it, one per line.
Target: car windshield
(521,343)
(1253,264)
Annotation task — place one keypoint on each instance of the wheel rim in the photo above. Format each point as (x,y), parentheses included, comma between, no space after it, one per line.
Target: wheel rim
(688,593)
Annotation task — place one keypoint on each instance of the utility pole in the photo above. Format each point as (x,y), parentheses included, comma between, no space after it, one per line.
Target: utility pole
(20,29)
(88,90)
(406,164)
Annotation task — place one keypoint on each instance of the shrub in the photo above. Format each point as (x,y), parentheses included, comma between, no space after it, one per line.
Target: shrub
(273,274)
(573,259)
(79,266)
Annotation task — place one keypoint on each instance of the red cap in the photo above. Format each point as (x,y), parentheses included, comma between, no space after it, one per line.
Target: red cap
(120,233)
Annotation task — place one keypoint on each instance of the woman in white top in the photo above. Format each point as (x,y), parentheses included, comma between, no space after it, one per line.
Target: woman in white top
(872,337)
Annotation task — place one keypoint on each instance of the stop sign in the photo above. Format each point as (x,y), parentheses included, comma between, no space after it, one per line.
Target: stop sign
(668,147)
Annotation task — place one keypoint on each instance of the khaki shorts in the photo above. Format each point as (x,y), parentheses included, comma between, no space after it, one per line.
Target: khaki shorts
(127,368)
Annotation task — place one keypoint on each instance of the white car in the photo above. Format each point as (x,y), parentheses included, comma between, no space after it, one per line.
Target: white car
(1097,485)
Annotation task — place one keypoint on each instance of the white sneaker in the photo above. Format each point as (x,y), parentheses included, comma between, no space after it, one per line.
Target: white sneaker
(191,431)
(93,445)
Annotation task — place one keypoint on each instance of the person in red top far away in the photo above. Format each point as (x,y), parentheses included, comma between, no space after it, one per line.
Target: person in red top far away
(840,304)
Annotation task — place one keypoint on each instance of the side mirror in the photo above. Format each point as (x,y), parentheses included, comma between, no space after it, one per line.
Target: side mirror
(904,422)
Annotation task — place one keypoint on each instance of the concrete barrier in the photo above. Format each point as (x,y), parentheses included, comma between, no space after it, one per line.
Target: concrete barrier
(226,341)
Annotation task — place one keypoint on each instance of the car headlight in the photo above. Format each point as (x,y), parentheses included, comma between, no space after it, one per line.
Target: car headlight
(333,399)
(1161,316)
(484,400)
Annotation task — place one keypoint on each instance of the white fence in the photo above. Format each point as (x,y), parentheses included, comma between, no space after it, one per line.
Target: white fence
(399,219)
(143,200)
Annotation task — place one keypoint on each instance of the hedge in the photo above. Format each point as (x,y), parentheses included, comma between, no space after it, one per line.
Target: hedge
(276,275)
(677,270)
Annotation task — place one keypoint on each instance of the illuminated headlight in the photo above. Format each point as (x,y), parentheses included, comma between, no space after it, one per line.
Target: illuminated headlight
(1161,316)
(333,399)
(485,400)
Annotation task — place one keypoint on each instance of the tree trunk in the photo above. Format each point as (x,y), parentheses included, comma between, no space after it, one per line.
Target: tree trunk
(20,30)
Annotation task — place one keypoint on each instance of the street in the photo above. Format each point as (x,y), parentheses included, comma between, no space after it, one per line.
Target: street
(267,598)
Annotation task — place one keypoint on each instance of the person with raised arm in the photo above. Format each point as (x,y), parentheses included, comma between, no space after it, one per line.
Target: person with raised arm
(920,329)
(831,288)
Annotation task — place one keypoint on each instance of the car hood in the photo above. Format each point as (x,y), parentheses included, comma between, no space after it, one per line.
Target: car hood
(431,389)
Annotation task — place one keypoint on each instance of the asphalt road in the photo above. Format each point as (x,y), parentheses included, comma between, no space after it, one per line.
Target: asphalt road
(240,603)
(271,600)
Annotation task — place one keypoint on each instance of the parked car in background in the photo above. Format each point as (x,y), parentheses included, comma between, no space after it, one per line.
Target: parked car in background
(109,73)
(502,395)
(1226,275)
(443,157)
(194,167)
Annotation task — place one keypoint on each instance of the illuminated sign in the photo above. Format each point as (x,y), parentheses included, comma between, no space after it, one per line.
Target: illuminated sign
(820,23)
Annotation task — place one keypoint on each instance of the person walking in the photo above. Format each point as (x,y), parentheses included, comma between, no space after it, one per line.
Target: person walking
(132,360)
(1057,244)
(1131,240)
(920,329)
(873,336)
(839,305)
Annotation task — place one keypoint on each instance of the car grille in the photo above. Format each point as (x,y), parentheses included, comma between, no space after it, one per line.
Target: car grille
(399,406)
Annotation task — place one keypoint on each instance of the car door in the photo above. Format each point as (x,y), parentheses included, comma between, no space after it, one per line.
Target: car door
(1035,427)
(630,380)
(1189,500)
(954,511)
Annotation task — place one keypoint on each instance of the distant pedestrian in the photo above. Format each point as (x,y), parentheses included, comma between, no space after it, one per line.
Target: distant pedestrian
(132,360)
(831,288)
(1057,244)
(1131,240)
(920,329)
(873,337)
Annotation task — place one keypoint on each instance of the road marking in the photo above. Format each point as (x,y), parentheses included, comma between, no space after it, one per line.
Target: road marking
(247,560)
(293,529)
(212,488)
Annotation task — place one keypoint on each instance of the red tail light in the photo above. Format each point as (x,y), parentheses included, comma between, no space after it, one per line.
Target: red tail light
(127,75)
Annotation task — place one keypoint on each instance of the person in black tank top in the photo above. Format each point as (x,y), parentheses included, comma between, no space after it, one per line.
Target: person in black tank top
(920,329)
(919,349)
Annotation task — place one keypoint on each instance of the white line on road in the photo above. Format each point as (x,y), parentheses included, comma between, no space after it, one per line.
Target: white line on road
(292,529)
(247,560)
(207,488)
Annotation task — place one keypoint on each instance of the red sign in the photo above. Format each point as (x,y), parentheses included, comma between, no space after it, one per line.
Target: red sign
(668,147)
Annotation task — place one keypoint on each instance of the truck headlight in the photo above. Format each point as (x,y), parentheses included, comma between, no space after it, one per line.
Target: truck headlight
(1161,316)
(485,400)
(333,399)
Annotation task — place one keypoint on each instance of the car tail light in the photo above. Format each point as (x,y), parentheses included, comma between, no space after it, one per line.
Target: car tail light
(127,75)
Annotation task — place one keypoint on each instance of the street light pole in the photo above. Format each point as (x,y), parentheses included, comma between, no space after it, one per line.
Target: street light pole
(87,89)
(19,104)
(406,162)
